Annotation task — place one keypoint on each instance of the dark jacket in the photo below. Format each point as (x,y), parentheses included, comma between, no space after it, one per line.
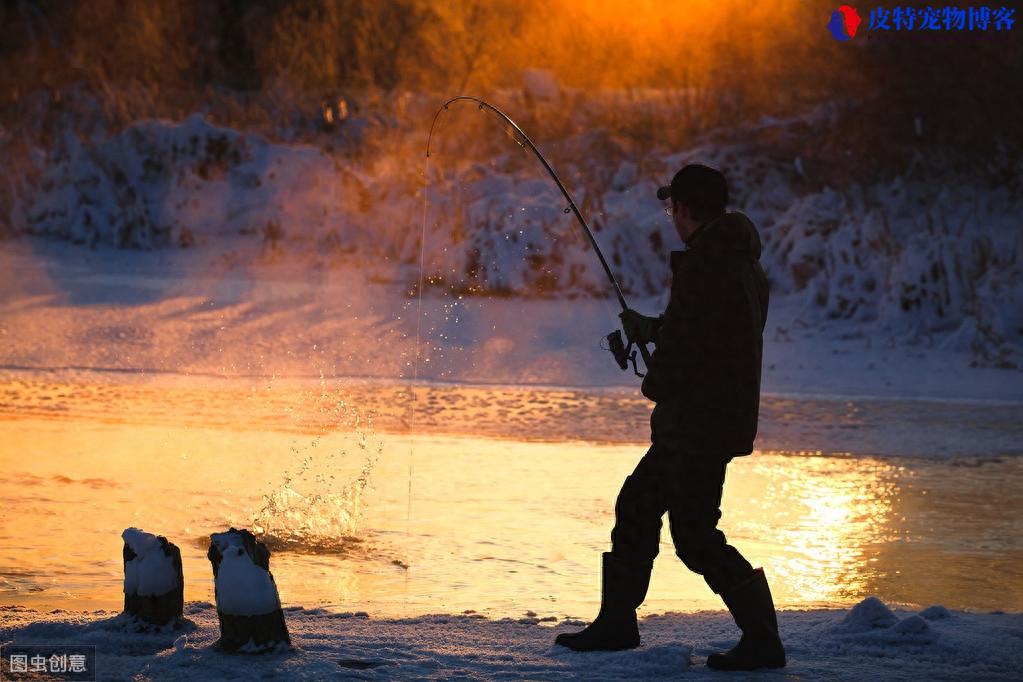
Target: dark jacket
(705,371)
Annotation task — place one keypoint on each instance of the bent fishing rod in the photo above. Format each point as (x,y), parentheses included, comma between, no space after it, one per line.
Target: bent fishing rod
(615,344)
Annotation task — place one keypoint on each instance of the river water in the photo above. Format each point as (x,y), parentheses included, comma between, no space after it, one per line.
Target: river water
(496,500)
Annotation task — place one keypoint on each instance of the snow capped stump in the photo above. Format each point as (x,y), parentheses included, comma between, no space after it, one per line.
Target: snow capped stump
(249,608)
(154,584)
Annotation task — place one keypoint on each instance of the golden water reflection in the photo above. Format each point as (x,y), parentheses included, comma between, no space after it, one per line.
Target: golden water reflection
(830,512)
(496,526)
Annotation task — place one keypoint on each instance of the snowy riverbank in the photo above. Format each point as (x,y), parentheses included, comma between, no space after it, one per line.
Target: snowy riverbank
(195,312)
(866,642)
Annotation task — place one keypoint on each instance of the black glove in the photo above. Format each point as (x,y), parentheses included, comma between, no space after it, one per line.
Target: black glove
(639,328)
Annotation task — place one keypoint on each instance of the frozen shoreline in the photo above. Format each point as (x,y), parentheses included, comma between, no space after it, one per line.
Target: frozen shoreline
(188,312)
(866,642)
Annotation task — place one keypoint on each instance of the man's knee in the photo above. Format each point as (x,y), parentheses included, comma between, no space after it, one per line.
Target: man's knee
(698,558)
(637,496)
(720,564)
(637,529)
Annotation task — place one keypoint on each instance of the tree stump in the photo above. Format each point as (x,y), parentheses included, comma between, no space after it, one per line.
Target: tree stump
(154,583)
(248,605)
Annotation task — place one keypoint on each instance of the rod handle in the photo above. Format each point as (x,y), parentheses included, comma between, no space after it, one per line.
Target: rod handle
(645,354)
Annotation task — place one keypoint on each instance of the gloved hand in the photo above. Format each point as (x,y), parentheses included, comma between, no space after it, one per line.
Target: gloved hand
(637,327)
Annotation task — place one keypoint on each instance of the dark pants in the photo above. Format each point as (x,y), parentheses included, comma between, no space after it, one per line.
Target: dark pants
(687,487)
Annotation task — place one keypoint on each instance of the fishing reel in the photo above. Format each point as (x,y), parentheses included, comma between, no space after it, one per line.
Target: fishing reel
(622,352)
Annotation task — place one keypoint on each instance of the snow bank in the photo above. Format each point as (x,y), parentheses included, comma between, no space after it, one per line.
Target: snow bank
(158,184)
(872,621)
(868,614)
(903,255)
(151,573)
(960,646)
(912,256)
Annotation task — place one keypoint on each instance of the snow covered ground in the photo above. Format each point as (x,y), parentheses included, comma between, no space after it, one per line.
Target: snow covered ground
(867,642)
(195,312)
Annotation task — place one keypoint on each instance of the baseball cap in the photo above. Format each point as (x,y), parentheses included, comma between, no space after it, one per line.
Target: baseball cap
(697,185)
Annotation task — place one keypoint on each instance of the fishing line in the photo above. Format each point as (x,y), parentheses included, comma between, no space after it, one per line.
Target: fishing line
(415,370)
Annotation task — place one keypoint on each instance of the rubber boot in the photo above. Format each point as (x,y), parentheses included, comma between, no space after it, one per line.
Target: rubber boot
(753,610)
(623,588)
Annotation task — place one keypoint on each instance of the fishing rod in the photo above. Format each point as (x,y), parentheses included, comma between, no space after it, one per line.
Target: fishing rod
(615,344)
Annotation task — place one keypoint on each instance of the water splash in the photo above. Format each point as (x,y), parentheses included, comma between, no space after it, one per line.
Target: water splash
(311,511)
(316,522)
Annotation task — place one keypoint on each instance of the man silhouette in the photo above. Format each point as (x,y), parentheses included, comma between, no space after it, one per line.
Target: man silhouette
(704,378)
